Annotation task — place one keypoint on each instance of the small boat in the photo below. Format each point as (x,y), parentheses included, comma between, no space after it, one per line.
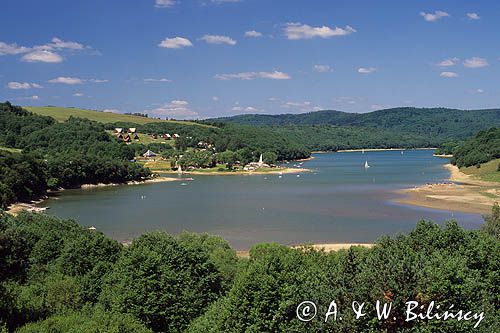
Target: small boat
(366,165)
(363,151)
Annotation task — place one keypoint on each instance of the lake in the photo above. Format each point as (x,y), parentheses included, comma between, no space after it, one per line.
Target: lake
(338,202)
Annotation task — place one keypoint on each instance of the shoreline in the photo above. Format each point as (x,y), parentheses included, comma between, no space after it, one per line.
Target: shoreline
(461,193)
(380,149)
(327,247)
(278,171)
(17,207)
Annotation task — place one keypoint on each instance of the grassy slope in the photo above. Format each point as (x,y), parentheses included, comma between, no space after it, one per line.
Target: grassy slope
(62,114)
(487,171)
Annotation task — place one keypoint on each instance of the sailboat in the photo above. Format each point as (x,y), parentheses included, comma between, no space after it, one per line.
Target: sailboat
(363,151)
(179,169)
(366,165)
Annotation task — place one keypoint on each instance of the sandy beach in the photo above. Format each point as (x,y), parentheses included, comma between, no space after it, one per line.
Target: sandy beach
(380,149)
(463,193)
(327,247)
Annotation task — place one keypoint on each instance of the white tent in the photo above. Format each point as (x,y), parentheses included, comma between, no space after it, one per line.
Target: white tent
(149,153)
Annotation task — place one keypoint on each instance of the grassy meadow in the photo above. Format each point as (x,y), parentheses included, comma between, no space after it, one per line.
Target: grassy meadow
(488,171)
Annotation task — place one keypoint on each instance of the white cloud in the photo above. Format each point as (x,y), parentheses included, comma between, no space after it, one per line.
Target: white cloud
(60,44)
(66,80)
(303,31)
(475,62)
(301,106)
(164,3)
(448,62)
(111,110)
(31,98)
(11,49)
(248,109)
(175,109)
(448,74)
(157,80)
(78,94)
(433,17)
(473,16)
(366,70)
(479,91)
(175,43)
(216,39)
(97,80)
(42,56)
(215,98)
(22,85)
(253,33)
(322,68)
(276,75)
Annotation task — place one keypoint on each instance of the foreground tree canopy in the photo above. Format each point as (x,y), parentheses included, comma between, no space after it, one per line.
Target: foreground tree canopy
(56,276)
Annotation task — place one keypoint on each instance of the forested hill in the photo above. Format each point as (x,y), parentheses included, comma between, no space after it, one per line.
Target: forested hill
(437,122)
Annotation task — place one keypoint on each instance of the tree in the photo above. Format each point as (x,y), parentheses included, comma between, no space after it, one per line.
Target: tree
(492,222)
(163,282)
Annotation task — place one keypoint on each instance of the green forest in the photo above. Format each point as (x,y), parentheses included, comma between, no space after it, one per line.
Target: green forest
(56,276)
(482,148)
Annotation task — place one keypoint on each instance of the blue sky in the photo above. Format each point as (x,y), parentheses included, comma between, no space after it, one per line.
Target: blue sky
(205,58)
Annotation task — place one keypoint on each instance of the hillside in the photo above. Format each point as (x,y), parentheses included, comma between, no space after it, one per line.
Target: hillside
(62,114)
(439,123)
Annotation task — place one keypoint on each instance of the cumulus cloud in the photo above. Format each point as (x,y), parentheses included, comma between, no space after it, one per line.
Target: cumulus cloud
(322,68)
(78,94)
(57,43)
(42,56)
(248,109)
(304,106)
(475,62)
(175,43)
(296,31)
(217,39)
(31,98)
(448,74)
(215,98)
(473,16)
(174,109)
(366,70)
(164,3)
(22,85)
(433,17)
(66,80)
(157,80)
(448,62)
(276,75)
(12,49)
(42,53)
(253,33)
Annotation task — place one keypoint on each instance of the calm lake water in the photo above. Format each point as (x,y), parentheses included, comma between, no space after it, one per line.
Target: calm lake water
(340,201)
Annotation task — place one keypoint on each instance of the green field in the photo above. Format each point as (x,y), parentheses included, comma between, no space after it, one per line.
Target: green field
(62,114)
(488,171)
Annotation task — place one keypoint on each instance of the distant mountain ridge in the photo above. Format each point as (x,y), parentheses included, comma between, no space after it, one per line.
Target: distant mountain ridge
(437,122)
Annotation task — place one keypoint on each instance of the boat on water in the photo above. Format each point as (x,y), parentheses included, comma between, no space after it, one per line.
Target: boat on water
(366,165)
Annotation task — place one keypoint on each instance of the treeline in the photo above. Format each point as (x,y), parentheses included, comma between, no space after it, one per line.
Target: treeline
(56,155)
(333,138)
(482,148)
(56,276)
(434,123)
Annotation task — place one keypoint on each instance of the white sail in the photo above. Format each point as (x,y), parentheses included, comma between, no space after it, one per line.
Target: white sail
(179,169)
(366,165)
(260,160)
(363,150)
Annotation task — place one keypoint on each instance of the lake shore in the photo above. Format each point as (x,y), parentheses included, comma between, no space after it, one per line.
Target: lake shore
(17,207)
(277,171)
(462,193)
(327,247)
(380,149)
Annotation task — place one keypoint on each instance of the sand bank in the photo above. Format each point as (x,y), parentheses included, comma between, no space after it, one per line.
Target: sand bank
(380,149)
(327,247)
(463,193)
(277,171)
